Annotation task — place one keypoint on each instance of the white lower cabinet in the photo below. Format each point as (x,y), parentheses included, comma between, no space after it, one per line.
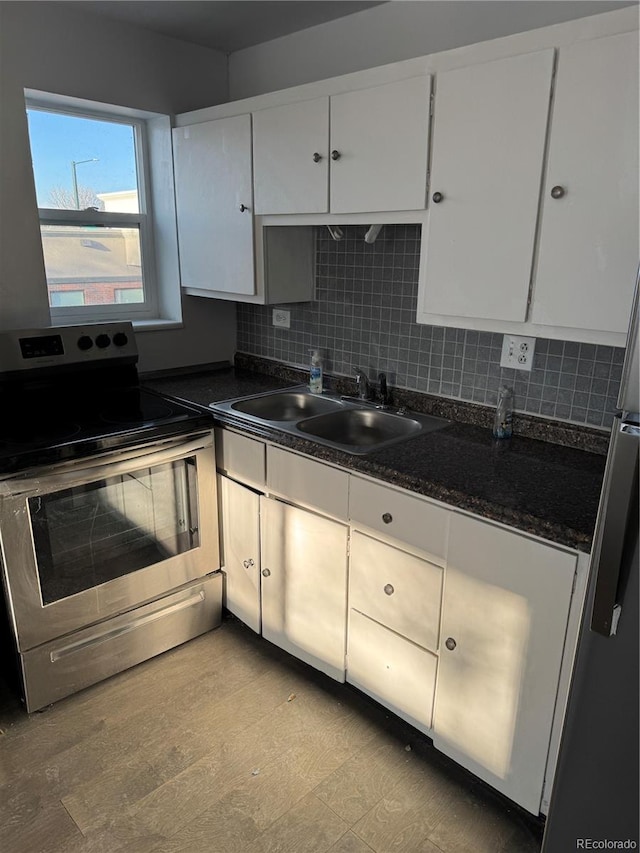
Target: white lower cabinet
(396,588)
(504,621)
(240,547)
(462,627)
(394,620)
(391,669)
(304,584)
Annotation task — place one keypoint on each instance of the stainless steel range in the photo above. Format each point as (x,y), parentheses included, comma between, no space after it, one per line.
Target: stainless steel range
(108,532)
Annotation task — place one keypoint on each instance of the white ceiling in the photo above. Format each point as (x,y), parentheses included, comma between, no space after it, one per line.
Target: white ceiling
(224,26)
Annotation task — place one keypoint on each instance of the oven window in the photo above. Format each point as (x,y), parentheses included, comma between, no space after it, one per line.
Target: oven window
(92,534)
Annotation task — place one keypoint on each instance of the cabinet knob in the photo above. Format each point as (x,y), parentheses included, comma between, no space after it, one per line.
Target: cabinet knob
(387,517)
(248,563)
(317,157)
(557,192)
(266,572)
(389,590)
(450,643)
(243,207)
(437,198)
(335,155)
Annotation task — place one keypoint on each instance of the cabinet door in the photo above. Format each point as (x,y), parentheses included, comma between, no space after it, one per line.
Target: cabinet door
(381,136)
(214,204)
(588,252)
(240,528)
(505,609)
(490,125)
(304,585)
(395,588)
(392,670)
(290,158)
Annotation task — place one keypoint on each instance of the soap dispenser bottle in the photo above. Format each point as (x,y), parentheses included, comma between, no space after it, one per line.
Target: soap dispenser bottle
(503,421)
(315,373)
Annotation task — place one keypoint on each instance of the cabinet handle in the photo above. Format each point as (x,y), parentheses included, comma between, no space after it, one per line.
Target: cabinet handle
(266,573)
(243,207)
(317,157)
(437,198)
(387,517)
(450,643)
(248,563)
(389,589)
(557,192)
(335,155)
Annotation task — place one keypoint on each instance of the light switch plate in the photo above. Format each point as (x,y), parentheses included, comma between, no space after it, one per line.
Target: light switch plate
(281,318)
(517,352)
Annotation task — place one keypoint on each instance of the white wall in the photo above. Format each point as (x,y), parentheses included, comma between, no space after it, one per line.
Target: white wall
(401,29)
(52,48)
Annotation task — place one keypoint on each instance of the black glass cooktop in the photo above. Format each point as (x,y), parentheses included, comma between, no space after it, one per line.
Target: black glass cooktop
(52,425)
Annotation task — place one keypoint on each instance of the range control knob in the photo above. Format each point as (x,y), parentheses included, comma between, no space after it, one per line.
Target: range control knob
(103,341)
(120,339)
(84,342)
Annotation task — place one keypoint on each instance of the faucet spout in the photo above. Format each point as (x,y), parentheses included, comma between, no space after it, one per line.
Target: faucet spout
(363,386)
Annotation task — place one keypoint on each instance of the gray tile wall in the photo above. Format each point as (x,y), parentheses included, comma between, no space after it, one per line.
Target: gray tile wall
(364,316)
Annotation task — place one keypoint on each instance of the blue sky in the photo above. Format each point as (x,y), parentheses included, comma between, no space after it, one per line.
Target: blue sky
(57,140)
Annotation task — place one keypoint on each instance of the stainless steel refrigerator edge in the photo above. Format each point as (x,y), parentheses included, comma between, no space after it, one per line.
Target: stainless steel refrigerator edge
(594,801)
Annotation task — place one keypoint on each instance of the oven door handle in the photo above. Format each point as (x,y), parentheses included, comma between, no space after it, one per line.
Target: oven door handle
(116,462)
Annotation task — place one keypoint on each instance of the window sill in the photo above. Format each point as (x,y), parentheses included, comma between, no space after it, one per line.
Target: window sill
(156,325)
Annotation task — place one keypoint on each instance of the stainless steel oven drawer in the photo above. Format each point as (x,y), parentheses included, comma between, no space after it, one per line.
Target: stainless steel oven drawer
(61,667)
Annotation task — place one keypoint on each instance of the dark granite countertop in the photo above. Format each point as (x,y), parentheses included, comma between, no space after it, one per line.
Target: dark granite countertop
(542,488)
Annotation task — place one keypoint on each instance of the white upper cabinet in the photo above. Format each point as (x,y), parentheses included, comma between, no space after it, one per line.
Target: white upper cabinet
(379,147)
(489,133)
(290,158)
(214,201)
(368,147)
(588,253)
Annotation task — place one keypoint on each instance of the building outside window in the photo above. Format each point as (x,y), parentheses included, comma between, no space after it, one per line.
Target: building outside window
(90,171)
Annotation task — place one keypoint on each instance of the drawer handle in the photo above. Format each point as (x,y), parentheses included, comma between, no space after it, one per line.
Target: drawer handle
(387,518)
(450,643)
(266,573)
(389,589)
(248,563)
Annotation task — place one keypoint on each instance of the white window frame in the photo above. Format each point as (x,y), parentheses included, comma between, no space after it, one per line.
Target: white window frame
(142,221)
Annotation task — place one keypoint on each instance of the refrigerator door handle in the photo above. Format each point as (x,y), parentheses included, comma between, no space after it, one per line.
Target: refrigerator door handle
(620,485)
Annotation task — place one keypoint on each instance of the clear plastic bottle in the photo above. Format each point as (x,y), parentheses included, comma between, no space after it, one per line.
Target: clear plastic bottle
(503,421)
(315,373)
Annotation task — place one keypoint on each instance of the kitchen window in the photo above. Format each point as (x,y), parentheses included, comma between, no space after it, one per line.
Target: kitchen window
(92,167)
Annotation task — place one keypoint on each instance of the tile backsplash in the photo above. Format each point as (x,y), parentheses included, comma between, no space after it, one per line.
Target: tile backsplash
(364,316)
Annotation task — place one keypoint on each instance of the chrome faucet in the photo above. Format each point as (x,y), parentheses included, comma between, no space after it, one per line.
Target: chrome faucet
(363,386)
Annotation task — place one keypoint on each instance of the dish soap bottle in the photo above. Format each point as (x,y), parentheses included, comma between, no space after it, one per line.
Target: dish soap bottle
(502,424)
(315,373)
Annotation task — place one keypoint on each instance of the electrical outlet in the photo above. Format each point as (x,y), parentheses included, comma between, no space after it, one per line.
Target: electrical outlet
(281,318)
(517,352)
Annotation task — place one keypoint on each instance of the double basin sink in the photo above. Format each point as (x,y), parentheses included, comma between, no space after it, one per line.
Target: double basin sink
(347,424)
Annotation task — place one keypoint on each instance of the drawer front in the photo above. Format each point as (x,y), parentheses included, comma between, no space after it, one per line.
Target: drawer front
(61,667)
(390,669)
(241,457)
(308,482)
(400,516)
(397,589)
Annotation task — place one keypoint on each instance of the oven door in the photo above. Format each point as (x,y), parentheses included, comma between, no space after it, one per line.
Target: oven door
(87,540)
